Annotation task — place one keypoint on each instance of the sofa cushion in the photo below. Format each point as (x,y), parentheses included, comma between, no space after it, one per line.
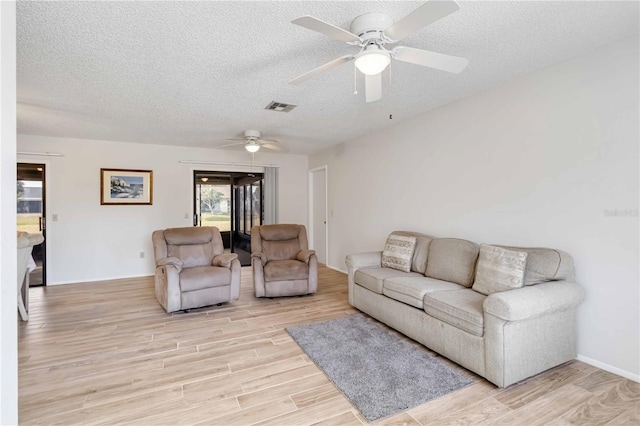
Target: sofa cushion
(398,252)
(545,264)
(452,259)
(411,290)
(372,278)
(279,270)
(204,277)
(459,308)
(499,269)
(421,250)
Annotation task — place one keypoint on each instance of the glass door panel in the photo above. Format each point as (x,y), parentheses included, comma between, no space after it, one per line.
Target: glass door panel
(213,202)
(30,217)
(214,206)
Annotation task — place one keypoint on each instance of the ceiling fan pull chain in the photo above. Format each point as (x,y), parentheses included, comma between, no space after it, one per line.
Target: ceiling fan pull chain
(390,99)
(355,80)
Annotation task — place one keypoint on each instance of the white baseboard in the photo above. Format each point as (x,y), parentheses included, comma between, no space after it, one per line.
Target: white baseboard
(609,368)
(336,269)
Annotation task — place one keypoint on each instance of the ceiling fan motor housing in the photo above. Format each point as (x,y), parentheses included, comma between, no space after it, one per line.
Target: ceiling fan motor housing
(370,25)
(252,134)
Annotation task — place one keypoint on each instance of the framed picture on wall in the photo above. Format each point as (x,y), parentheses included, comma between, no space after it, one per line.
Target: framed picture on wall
(121,186)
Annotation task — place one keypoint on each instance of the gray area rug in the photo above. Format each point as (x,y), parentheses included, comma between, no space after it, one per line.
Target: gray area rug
(380,373)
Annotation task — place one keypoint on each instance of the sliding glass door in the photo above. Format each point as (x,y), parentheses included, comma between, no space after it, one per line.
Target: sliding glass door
(248,212)
(233,202)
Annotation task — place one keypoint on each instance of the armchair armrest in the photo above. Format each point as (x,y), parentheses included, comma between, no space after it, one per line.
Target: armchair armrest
(173,261)
(534,301)
(260,256)
(360,260)
(304,255)
(224,260)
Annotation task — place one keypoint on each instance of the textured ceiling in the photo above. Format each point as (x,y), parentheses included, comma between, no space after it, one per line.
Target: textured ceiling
(196,73)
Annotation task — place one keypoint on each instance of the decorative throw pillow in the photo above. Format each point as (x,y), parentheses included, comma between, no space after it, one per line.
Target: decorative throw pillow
(499,269)
(398,252)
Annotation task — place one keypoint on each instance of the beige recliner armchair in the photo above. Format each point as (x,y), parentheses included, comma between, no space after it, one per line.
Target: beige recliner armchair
(281,261)
(192,269)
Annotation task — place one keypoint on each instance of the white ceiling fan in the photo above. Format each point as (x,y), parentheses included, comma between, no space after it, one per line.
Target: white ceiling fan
(371,33)
(253,142)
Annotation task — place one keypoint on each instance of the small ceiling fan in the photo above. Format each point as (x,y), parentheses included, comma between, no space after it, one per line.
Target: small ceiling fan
(371,33)
(253,142)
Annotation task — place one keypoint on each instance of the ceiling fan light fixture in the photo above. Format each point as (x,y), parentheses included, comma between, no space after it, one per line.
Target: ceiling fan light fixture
(252,147)
(372,60)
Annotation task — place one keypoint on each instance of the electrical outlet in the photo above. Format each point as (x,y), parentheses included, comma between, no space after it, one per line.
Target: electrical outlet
(141,255)
(186,215)
(54,217)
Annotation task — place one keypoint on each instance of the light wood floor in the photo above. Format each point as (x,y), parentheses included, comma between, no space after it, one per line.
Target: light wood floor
(105,353)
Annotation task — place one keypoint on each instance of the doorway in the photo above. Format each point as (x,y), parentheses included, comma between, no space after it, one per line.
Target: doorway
(318,212)
(232,202)
(31,215)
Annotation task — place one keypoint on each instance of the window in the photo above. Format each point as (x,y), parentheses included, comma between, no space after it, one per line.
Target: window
(249,206)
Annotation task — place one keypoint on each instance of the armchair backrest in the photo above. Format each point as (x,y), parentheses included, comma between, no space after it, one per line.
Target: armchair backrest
(279,242)
(194,246)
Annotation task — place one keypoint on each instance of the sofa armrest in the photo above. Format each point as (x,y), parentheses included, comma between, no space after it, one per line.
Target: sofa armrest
(224,260)
(360,260)
(173,261)
(259,256)
(534,301)
(304,255)
(357,261)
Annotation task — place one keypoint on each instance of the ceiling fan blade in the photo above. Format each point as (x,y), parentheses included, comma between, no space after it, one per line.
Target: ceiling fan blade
(321,69)
(373,87)
(426,14)
(325,28)
(273,146)
(229,144)
(426,58)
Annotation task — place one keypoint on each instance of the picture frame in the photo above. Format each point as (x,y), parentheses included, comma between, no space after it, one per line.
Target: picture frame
(126,187)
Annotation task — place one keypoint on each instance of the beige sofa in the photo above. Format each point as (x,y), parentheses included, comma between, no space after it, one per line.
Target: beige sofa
(505,336)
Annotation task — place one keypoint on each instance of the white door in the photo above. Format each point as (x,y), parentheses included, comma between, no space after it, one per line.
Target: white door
(319,213)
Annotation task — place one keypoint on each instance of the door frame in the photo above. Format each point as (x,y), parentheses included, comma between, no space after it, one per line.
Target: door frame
(46,269)
(310,191)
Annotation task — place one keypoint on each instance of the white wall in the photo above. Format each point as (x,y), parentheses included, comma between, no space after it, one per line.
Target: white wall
(94,242)
(539,161)
(8,260)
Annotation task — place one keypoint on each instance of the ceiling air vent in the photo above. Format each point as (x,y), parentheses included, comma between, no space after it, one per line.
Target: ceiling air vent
(279,106)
